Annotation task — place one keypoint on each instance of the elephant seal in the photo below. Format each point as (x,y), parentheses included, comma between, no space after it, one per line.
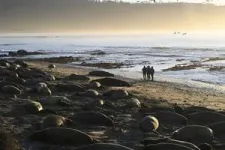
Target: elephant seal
(33,106)
(91,93)
(205,146)
(62,136)
(92,118)
(204,118)
(15,79)
(166,146)
(93,104)
(148,141)
(77,77)
(167,117)
(56,100)
(218,128)
(112,82)
(133,103)
(44,91)
(70,87)
(51,66)
(116,94)
(149,124)
(100,74)
(95,85)
(103,146)
(55,121)
(10,89)
(195,134)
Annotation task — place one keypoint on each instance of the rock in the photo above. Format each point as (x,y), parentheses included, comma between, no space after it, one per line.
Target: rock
(112,82)
(116,94)
(70,87)
(93,118)
(77,77)
(56,100)
(172,118)
(33,106)
(40,86)
(9,89)
(103,146)
(95,85)
(13,54)
(149,124)
(101,74)
(22,52)
(195,134)
(51,66)
(204,118)
(55,121)
(62,136)
(166,146)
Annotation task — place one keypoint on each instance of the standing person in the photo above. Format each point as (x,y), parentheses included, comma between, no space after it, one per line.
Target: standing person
(144,71)
(148,72)
(152,71)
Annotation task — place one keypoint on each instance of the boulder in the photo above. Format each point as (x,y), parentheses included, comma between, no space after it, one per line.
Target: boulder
(22,52)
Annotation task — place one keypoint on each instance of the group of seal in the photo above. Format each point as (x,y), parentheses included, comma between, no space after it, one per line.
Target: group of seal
(83,114)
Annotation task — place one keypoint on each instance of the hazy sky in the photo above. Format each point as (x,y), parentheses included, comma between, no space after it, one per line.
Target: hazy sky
(82,16)
(189,1)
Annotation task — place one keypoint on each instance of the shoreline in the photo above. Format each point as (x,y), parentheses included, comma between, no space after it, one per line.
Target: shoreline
(159,91)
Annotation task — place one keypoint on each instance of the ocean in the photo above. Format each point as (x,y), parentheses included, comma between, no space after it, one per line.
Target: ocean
(161,51)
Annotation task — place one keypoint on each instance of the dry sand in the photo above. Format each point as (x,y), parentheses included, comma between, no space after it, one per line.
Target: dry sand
(164,93)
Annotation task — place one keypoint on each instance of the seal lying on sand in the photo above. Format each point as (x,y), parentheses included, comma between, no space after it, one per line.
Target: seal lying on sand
(218,128)
(149,124)
(148,141)
(168,117)
(55,121)
(195,134)
(203,118)
(62,136)
(166,146)
(103,146)
(100,74)
(10,89)
(112,82)
(93,118)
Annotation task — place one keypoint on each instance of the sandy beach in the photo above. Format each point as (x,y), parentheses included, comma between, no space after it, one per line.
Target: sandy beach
(165,92)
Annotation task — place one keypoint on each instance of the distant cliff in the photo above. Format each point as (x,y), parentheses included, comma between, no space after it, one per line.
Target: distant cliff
(83,15)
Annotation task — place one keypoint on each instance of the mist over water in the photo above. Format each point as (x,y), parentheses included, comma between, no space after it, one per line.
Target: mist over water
(159,50)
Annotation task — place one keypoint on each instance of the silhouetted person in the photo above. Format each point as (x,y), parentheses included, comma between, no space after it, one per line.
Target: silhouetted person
(152,71)
(148,72)
(144,71)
